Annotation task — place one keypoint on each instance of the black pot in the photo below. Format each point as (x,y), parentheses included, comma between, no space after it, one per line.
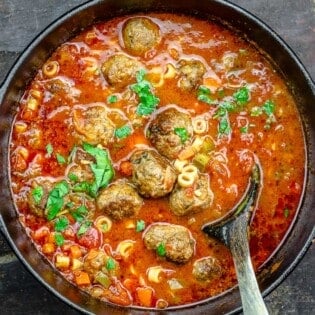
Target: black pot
(299,82)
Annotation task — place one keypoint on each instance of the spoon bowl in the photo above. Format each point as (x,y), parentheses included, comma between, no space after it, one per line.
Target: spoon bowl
(232,230)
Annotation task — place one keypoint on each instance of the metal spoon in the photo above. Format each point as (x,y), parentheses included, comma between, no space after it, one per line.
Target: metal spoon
(232,230)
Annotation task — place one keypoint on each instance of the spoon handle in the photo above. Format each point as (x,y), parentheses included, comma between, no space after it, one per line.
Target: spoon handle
(252,301)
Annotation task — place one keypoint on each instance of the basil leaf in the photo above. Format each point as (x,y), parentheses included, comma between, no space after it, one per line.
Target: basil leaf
(55,199)
(182,133)
(123,132)
(37,194)
(103,170)
(61,224)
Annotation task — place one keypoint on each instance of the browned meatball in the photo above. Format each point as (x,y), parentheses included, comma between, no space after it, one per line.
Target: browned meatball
(38,195)
(120,70)
(206,269)
(152,174)
(119,200)
(140,34)
(176,240)
(183,203)
(92,125)
(165,132)
(80,166)
(191,73)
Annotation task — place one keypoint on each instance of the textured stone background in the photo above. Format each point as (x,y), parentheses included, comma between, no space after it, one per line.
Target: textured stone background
(21,20)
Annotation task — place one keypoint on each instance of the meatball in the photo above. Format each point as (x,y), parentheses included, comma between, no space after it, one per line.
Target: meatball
(191,73)
(206,269)
(152,174)
(92,125)
(176,239)
(164,132)
(198,199)
(119,200)
(38,195)
(120,70)
(80,166)
(140,34)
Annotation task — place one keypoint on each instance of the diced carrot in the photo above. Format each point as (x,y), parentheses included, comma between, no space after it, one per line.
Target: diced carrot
(211,83)
(126,168)
(41,233)
(82,278)
(145,296)
(75,251)
(131,284)
(48,248)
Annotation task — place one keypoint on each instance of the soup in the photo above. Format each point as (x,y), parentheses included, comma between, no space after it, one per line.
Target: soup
(136,133)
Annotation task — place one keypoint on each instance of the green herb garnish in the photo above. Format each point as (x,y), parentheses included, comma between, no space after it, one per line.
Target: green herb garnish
(59,239)
(55,199)
(37,194)
(80,213)
(72,154)
(112,99)
(60,159)
(123,132)
(143,88)
(286,213)
(244,129)
(103,170)
(160,250)
(140,226)
(84,227)
(61,224)
(203,95)
(241,96)
(49,149)
(269,107)
(224,126)
(182,133)
(73,177)
(110,264)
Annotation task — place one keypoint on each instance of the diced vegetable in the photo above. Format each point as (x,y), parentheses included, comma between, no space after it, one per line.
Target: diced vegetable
(75,251)
(110,264)
(76,264)
(145,296)
(82,278)
(80,213)
(60,159)
(48,248)
(112,99)
(201,160)
(242,95)
(103,279)
(140,225)
(84,227)
(62,261)
(174,284)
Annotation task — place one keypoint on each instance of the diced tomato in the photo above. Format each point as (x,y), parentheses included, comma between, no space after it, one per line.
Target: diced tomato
(91,239)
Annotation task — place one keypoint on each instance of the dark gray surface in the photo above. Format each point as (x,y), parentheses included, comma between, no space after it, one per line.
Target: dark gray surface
(21,20)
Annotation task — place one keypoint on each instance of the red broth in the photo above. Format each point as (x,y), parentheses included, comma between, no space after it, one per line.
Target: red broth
(248,113)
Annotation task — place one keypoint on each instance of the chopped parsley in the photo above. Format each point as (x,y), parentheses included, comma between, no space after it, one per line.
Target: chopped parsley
(268,108)
(143,88)
(286,213)
(61,224)
(140,226)
(60,159)
(103,170)
(123,132)
(37,194)
(244,129)
(73,177)
(49,149)
(110,264)
(161,250)
(112,99)
(84,228)
(82,187)
(182,133)
(80,213)
(224,126)
(241,96)
(221,114)
(203,95)
(59,239)
(55,199)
